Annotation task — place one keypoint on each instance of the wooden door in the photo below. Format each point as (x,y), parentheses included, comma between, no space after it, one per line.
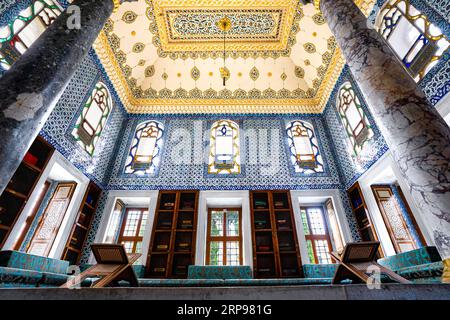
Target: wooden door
(51,220)
(393,218)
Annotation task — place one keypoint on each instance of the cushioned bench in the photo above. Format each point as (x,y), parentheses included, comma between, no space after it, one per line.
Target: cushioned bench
(219,272)
(19,269)
(422,265)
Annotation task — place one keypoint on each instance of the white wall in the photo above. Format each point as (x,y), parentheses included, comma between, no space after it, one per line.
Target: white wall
(222,199)
(113,196)
(318,197)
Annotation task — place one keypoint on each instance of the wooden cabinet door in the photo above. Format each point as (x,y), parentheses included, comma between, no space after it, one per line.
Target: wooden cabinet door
(393,218)
(51,220)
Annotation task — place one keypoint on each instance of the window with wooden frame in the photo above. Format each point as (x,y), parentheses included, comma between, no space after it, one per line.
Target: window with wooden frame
(224,237)
(417,42)
(25,29)
(145,151)
(132,231)
(317,236)
(353,117)
(303,147)
(92,119)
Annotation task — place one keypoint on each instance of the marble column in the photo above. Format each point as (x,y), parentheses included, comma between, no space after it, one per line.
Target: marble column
(417,136)
(33,85)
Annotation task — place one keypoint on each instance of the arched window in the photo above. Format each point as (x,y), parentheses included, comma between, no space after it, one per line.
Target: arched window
(303,147)
(353,117)
(19,35)
(145,150)
(417,42)
(224,156)
(93,117)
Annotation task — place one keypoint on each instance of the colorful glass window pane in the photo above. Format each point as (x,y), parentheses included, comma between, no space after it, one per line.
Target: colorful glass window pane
(353,118)
(224,157)
(217,224)
(216,253)
(304,148)
(93,117)
(145,151)
(322,251)
(22,32)
(232,223)
(233,253)
(316,223)
(415,40)
(131,224)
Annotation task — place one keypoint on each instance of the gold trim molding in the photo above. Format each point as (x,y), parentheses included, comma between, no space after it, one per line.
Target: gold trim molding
(446,273)
(162,7)
(177,106)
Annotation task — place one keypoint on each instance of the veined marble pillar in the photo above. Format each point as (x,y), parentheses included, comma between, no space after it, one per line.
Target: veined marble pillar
(417,136)
(33,85)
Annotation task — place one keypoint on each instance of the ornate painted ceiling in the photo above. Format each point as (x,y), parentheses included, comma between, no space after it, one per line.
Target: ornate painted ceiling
(164,56)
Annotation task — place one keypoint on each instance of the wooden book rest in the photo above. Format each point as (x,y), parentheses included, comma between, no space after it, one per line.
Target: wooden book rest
(113,265)
(355,261)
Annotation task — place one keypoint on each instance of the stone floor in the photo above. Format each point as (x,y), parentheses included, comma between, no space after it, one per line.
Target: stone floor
(337,292)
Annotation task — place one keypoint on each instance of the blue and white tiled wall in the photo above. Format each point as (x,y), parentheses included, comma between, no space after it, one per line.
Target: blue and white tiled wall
(265,165)
(351,167)
(57,130)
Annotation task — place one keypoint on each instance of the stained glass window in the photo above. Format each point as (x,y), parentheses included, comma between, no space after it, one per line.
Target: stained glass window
(318,241)
(92,119)
(145,150)
(416,41)
(353,117)
(224,237)
(19,35)
(304,148)
(132,231)
(224,156)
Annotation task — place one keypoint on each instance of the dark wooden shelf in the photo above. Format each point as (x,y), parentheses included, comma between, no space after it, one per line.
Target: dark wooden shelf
(274,259)
(361,214)
(83,221)
(173,261)
(22,185)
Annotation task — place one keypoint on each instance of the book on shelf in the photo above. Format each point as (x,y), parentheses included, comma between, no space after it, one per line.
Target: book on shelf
(260,204)
(169,204)
(187,205)
(30,159)
(184,246)
(186,223)
(165,224)
(279,204)
(260,224)
(162,247)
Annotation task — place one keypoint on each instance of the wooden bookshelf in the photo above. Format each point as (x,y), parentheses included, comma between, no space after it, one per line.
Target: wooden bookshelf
(83,221)
(364,223)
(22,184)
(172,245)
(275,246)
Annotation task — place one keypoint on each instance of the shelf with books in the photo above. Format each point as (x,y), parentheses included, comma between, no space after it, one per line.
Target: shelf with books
(275,245)
(173,237)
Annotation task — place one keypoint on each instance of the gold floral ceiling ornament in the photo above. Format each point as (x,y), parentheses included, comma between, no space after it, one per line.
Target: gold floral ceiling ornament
(224,25)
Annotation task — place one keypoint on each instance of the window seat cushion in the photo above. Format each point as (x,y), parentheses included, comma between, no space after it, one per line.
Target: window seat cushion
(411,258)
(21,278)
(21,260)
(219,272)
